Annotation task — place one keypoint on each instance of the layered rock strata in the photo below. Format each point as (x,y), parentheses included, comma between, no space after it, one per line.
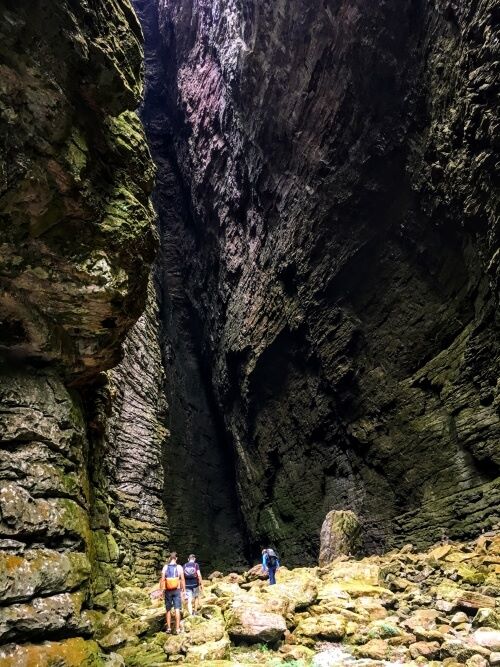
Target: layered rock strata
(340,256)
(77,239)
(76,245)
(200,493)
(135,439)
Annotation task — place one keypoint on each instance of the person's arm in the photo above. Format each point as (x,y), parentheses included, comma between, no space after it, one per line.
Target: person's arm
(181,577)
(200,580)
(277,564)
(264,566)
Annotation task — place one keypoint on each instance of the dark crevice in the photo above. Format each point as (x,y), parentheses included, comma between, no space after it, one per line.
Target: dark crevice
(200,490)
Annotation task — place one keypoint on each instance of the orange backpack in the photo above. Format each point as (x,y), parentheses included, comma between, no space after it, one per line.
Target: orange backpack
(170,583)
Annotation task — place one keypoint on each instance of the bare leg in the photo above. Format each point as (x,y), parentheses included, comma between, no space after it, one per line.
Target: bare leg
(190,605)
(168,621)
(177,620)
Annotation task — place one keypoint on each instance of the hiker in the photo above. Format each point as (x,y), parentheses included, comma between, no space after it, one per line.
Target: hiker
(194,584)
(270,563)
(173,584)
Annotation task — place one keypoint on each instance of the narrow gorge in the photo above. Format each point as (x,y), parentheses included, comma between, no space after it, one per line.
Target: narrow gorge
(249,274)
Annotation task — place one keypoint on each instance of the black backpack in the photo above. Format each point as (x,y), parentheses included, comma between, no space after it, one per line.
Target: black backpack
(191,572)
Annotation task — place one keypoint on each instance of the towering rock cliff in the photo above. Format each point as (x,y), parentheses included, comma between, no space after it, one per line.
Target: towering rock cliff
(76,247)
(320,330)
(339,255)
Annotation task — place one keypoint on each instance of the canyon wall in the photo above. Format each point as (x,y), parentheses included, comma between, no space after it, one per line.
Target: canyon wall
(76,247)
(200,493)
(322,319)
(339,255)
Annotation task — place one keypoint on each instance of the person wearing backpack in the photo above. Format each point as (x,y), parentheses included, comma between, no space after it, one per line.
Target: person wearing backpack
(173,584)
(270,563)
(194,584)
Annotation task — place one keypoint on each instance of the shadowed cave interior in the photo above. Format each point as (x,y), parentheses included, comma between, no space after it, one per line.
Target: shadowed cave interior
(249,266)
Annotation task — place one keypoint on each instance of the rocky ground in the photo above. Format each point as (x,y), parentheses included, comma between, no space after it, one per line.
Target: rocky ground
(439,607)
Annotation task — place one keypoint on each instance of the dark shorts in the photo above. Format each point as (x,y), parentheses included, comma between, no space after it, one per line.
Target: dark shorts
(173,599)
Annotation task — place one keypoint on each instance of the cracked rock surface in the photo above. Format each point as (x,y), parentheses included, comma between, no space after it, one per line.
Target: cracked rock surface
(339,254)
(76,246)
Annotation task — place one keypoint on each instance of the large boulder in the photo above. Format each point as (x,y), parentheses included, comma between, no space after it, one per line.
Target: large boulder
(339,533)
(211,650)
(253,625)
(488,638)
(330,627)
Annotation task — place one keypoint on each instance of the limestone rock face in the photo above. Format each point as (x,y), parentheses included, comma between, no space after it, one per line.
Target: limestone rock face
(200,490)
(46,542)
(338,536)
(76,225)
(76,247)
(134,448)
(338,256)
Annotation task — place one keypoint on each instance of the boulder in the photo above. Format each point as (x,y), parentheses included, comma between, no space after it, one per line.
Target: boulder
(198,630)
(123,634)
(477,661)
(330,627)
(458,618)
(143,654)
(488,638)
(462,651)
(383,630)
(428,650)
(295,591)
(252,624)
(256,573)
(473,600)
(487,617)
(375,649)
(422,618)
(175,645)
(210,650)
(339,534)
(293,652)
(440,552)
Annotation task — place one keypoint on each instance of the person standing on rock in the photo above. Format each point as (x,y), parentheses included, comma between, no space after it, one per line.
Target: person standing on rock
(194,584)
(270,563)
(173,584)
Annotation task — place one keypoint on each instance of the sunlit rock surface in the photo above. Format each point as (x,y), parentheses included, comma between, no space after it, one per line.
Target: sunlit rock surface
(438,607)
